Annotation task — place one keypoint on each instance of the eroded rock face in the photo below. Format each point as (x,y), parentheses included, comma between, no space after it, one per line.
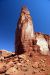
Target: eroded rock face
(24,32)
(25,38)
(43,43)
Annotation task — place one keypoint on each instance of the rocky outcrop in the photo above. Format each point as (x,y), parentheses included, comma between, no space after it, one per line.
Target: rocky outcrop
(31,63)
(24,32)
(29,47)
(25,37)
(43,43)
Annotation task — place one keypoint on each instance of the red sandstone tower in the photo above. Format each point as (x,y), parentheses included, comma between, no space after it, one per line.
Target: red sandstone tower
(26,39)
(24,32)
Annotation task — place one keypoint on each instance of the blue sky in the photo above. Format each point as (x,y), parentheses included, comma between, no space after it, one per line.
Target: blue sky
(10,12)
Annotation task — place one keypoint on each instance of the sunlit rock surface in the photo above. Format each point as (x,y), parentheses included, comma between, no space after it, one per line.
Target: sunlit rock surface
(24,32)
(32,63)
(43,44)
(25,37)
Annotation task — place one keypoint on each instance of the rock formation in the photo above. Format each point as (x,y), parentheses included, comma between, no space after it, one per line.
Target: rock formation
(42,43)
(25,38)
(24,32)
(27,63)
(29,47)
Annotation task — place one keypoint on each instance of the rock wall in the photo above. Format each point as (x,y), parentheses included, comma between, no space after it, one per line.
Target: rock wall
(25,37)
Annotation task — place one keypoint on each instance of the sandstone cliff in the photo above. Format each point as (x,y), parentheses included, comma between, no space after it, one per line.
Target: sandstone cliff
(26,38)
